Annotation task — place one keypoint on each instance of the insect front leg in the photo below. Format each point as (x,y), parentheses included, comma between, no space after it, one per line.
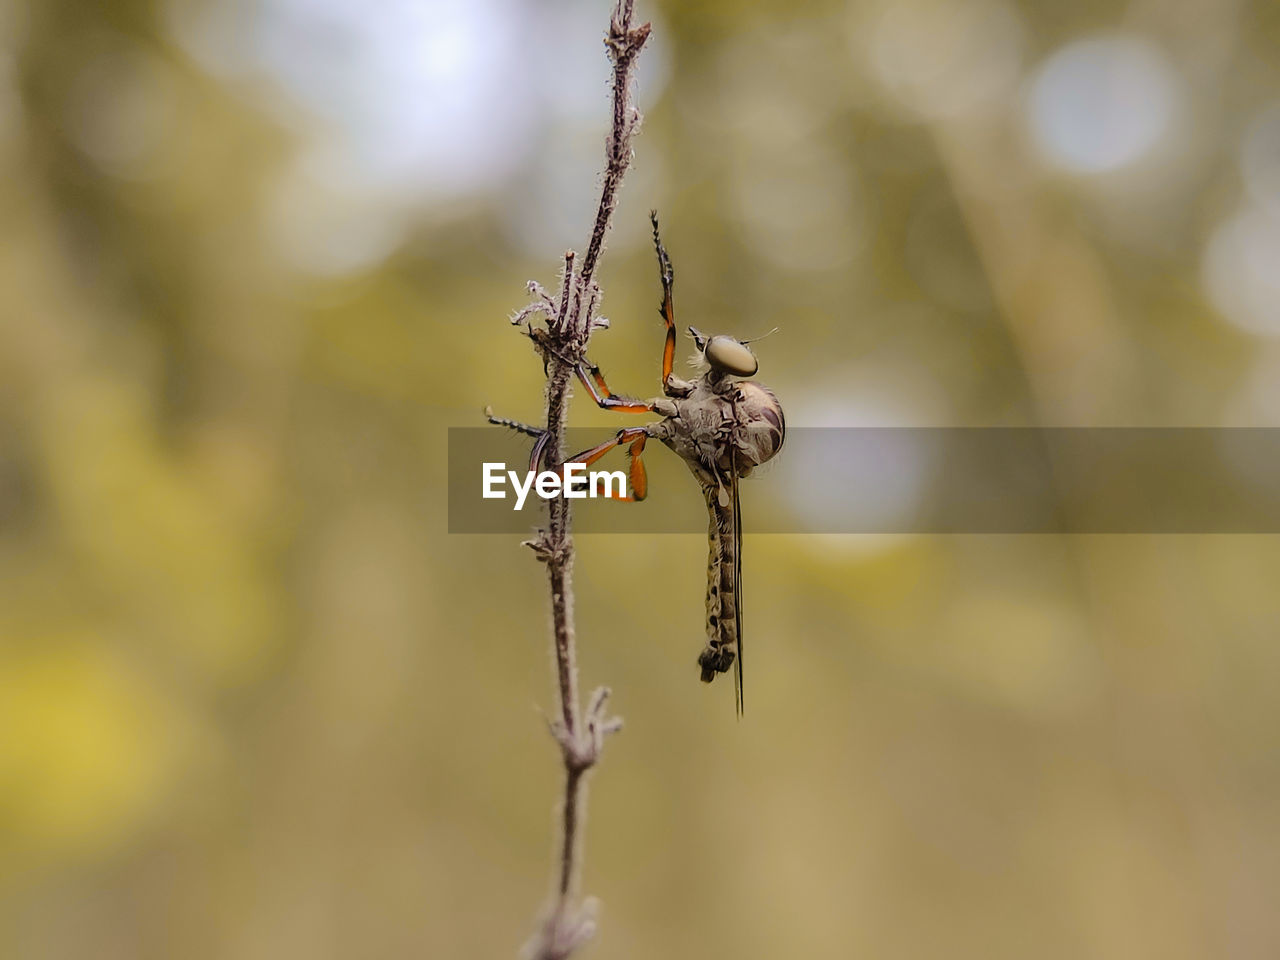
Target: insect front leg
(672,386)
(593,380)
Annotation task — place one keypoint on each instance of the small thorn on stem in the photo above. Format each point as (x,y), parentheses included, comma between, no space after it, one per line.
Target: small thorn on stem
(541,546)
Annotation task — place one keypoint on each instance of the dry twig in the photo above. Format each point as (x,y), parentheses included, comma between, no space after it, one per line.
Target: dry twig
(570,323)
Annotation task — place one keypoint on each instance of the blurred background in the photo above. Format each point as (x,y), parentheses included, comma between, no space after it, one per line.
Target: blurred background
(258,255)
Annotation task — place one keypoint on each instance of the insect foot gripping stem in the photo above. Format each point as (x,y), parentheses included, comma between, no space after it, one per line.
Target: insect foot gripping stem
(713,660)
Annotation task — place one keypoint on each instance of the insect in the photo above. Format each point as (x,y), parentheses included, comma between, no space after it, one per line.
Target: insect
(722,427)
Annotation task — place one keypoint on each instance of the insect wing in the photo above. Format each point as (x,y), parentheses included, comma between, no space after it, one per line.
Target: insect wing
(737,585)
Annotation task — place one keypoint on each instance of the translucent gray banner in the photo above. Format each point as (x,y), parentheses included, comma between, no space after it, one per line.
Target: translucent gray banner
(921,480)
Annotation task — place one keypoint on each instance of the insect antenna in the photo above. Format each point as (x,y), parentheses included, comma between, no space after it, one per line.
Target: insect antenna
(761,337)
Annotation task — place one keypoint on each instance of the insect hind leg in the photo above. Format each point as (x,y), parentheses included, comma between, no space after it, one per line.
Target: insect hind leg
(635,437)
(528,429)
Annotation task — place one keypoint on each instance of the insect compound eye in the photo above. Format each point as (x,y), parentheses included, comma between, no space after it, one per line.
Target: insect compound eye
(727,354)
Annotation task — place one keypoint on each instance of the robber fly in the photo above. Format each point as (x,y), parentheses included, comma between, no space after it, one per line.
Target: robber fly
(722,428)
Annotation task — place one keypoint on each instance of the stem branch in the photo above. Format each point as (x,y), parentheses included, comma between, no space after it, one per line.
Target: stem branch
(580,736)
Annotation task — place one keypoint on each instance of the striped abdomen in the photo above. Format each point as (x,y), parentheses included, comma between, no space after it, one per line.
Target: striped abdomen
(722,587)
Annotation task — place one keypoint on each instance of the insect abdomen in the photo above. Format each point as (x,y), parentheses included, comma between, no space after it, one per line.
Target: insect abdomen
(761,426)
(722,613)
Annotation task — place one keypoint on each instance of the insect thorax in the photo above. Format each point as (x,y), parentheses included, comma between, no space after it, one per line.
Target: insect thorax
(724,427)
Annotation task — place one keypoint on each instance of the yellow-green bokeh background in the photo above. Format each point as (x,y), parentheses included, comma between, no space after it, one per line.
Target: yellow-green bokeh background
(256,703)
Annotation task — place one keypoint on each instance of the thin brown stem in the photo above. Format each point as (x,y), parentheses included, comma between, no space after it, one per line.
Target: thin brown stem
(572,794)
(579,735)
(624,46)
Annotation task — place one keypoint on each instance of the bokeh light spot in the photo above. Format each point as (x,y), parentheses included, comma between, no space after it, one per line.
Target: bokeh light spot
(1239,272)
(1102,104)
(121,109)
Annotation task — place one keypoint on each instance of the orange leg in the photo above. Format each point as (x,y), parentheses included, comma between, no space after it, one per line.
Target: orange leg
(639,480)
(593,380)
(666,308)
(590,374)
(636,436)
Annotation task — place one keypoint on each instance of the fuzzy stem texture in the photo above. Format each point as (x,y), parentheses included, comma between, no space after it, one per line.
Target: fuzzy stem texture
(566,924)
